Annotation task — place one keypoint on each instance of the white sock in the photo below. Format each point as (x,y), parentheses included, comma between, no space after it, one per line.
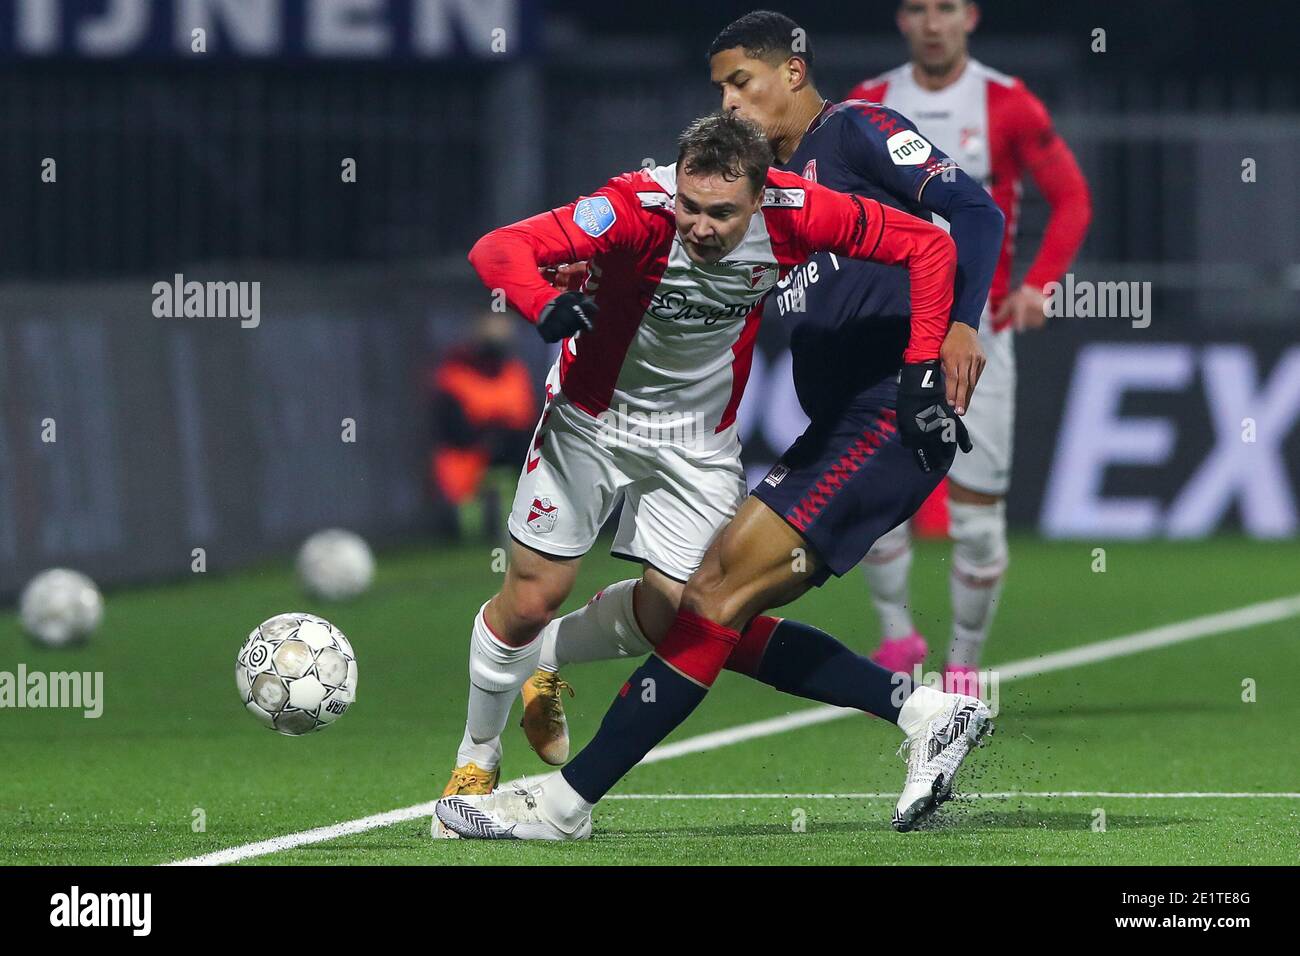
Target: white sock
(562,804)
(979,561)
(604,629)
(887,566)
(496,672)
(922,706)
(487,754)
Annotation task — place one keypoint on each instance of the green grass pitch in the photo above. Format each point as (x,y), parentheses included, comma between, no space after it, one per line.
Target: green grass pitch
(174,768)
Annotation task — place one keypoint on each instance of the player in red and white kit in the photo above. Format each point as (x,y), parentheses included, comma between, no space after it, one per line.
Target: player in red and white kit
(997,130)
(641,404)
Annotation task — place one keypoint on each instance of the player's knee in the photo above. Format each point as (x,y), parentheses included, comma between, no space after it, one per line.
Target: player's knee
(536,607)
(655,606)
(700,594)
(716,597)
(706,594)
(979,535)
(527,606)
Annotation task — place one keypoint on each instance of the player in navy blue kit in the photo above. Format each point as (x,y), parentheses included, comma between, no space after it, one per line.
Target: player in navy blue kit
(882,435)
(849,321)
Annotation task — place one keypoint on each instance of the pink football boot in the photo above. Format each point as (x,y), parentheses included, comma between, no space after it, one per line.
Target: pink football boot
(901,654)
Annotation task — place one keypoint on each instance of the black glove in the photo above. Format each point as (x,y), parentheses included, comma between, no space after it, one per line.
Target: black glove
(565,315)
(925,420)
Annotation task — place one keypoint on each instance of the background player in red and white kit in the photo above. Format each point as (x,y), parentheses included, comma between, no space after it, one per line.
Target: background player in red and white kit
(998,131)
(642,402)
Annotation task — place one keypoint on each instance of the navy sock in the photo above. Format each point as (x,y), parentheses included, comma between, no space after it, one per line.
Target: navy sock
(807,662)
(654,700)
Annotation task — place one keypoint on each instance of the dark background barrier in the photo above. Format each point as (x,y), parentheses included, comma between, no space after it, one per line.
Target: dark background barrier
(179,433)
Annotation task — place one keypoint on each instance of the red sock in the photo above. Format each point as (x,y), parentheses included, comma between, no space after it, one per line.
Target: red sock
(696,647)
(748,653)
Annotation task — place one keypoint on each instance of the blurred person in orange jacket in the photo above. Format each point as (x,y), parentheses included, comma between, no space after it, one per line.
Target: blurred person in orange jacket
(483,410)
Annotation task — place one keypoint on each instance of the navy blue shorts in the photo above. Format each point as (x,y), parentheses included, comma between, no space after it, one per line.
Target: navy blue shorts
(848,479)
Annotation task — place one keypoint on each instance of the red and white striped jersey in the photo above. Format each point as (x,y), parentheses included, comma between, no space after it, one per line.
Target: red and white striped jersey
(673,337)
(997,130)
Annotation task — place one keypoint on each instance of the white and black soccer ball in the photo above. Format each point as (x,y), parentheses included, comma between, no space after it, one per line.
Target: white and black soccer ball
(59,607)
(296,673)
(335,565)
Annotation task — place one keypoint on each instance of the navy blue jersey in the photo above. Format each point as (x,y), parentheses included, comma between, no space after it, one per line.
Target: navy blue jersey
(849,320)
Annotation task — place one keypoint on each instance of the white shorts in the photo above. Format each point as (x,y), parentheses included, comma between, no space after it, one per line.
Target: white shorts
(675,496)
(991,418)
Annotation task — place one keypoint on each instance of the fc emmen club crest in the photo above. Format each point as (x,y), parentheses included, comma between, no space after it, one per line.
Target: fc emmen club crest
(542,515)
(759,276)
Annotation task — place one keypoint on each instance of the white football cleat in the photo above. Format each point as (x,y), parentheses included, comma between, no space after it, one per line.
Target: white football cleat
(935,755)
(511,813)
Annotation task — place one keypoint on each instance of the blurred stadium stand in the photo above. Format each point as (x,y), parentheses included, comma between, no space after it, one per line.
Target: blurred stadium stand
(177,433)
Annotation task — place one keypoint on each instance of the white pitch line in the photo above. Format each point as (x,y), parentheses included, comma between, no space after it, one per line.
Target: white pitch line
(1004,795)
(319,835)
(1252,615)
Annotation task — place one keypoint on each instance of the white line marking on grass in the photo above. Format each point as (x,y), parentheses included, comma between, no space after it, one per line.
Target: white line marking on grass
(319,835)
(1252,615)
(1005,795)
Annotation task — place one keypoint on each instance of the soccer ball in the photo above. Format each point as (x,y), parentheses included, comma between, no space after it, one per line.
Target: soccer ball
(296,673)
(335,565)
(59,607)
